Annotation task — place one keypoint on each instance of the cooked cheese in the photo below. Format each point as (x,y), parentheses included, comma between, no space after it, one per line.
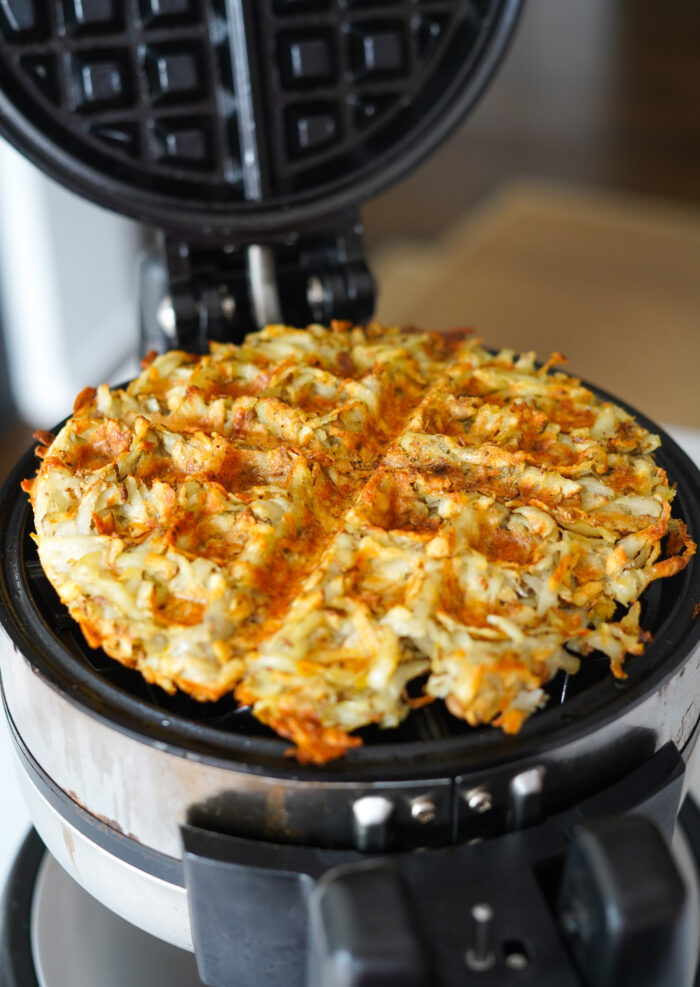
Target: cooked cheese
(315,518)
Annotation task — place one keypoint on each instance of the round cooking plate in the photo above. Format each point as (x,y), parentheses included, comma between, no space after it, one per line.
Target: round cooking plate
(227,116)
(430,739)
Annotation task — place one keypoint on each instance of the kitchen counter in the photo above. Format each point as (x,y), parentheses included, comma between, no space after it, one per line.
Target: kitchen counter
(611,282)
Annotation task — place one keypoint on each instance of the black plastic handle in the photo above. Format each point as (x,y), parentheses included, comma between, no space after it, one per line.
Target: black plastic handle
(363,930)
(624,907)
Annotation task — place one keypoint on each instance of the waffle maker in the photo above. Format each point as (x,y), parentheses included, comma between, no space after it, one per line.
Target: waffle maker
(247,132)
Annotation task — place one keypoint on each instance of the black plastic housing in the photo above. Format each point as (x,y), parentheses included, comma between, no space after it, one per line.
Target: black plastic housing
(319,916)
(249,935)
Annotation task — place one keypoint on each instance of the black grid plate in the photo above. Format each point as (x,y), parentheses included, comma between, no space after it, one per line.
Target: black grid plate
(205,116)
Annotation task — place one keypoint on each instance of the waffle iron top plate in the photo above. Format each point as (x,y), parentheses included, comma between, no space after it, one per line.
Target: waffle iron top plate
(227,117)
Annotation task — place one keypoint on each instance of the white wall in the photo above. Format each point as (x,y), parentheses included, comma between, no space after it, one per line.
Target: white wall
(68,291)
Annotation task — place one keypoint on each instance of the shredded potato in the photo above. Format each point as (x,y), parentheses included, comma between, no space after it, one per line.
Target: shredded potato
(317,517)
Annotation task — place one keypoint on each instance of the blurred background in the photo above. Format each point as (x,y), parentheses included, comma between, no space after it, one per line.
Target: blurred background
(565,214)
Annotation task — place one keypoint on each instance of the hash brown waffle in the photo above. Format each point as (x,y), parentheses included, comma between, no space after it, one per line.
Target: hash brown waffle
(317,517)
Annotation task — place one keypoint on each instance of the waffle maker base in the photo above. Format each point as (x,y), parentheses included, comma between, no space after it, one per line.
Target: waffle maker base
(54,934)
(191,823)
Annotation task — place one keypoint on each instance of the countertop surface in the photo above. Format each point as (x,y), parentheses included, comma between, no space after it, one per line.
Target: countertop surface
(14,818)
(609,281)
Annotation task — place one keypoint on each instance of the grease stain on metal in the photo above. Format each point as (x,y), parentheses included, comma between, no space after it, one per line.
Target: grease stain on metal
(69,844)
(276,815)
(105,820)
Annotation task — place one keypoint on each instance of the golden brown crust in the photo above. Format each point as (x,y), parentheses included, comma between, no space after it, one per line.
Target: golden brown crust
(318,517)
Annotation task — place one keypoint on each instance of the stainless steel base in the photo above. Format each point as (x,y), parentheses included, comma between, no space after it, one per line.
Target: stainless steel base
(77,942)
(155,906)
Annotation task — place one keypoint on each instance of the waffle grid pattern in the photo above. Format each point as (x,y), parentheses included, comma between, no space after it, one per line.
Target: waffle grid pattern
(150,90)
(315,520)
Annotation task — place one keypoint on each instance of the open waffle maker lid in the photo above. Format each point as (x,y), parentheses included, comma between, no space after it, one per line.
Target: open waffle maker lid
(240,118)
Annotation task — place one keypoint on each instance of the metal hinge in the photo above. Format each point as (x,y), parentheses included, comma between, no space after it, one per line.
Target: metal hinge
(193,293)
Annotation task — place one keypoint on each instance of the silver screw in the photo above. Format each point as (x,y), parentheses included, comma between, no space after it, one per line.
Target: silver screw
(423,809)
(480,956)
(479,799)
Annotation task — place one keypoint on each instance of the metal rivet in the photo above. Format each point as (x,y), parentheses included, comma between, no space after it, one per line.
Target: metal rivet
(372,809)
(480,957)
(479,799)
(516,954)
(517,961)
(372,818)
(525,797)
(423,809)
